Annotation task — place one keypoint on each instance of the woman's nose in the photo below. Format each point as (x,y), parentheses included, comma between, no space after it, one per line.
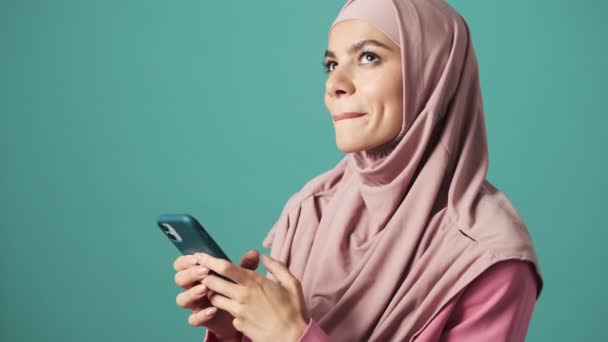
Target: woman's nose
(339,84)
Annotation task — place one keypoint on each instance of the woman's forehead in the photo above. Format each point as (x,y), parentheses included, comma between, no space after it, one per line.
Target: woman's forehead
(346,35)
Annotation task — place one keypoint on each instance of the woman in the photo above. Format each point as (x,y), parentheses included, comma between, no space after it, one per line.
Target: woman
(404,239)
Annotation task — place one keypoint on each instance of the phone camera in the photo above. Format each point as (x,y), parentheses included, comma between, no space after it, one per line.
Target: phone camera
(170,232)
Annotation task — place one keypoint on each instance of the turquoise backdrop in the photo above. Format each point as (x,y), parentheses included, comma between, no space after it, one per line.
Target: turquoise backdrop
(112,112)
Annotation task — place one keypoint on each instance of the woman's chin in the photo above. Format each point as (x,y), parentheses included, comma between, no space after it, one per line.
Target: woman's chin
(349,146)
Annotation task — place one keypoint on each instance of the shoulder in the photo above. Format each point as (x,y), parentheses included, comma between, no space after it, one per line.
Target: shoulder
(496,305)
(320,186)
(498,228)
(504,279)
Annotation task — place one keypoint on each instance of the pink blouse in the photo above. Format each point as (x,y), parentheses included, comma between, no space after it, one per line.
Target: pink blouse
(496,306)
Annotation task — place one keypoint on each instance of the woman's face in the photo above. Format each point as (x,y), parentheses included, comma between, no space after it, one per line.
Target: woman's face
(363,78)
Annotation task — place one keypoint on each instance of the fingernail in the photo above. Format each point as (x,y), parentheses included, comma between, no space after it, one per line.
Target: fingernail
(202,271)
(200,289)
(209,311)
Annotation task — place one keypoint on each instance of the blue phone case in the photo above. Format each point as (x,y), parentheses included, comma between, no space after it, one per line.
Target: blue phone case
(189,236)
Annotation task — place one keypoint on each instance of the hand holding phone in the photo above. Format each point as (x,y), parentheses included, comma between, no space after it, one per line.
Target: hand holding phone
(189,236)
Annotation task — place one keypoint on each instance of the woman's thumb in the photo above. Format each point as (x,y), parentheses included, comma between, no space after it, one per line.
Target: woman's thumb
(251,260)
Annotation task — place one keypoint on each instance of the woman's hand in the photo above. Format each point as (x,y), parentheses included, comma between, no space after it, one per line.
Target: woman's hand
(263,310)
(188,276)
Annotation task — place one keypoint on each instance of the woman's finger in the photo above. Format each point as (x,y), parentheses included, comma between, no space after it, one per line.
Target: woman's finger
(224,287)
(184,261)
(188,277)
(201,317)
(280,272)
(251,260)
(226,304)
(188,298)
(223,267)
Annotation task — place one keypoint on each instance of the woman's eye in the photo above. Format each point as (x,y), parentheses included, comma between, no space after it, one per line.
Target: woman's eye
(369,54)
(327,66)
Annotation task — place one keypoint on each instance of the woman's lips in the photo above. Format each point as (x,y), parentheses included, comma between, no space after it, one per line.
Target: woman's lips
(347,115)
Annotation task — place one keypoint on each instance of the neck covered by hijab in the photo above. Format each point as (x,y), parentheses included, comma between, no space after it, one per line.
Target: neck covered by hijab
(382,241)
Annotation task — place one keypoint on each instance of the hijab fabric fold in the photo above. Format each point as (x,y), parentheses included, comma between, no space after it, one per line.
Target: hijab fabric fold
(382,241)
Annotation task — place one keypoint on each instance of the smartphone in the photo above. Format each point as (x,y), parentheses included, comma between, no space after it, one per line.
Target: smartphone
(189,236)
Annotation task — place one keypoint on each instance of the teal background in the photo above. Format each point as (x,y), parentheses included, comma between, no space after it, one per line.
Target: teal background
(112,112)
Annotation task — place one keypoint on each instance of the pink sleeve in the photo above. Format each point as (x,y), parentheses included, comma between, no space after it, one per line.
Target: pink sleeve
(313,333)
(211,337)
(496,306)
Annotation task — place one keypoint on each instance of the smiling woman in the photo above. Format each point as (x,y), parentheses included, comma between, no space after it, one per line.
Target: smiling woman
(364,91)
(404,239)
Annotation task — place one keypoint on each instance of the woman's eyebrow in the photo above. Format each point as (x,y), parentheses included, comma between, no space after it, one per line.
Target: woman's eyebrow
(357,46)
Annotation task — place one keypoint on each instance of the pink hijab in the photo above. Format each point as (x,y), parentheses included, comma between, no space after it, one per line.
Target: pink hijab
(386,238)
